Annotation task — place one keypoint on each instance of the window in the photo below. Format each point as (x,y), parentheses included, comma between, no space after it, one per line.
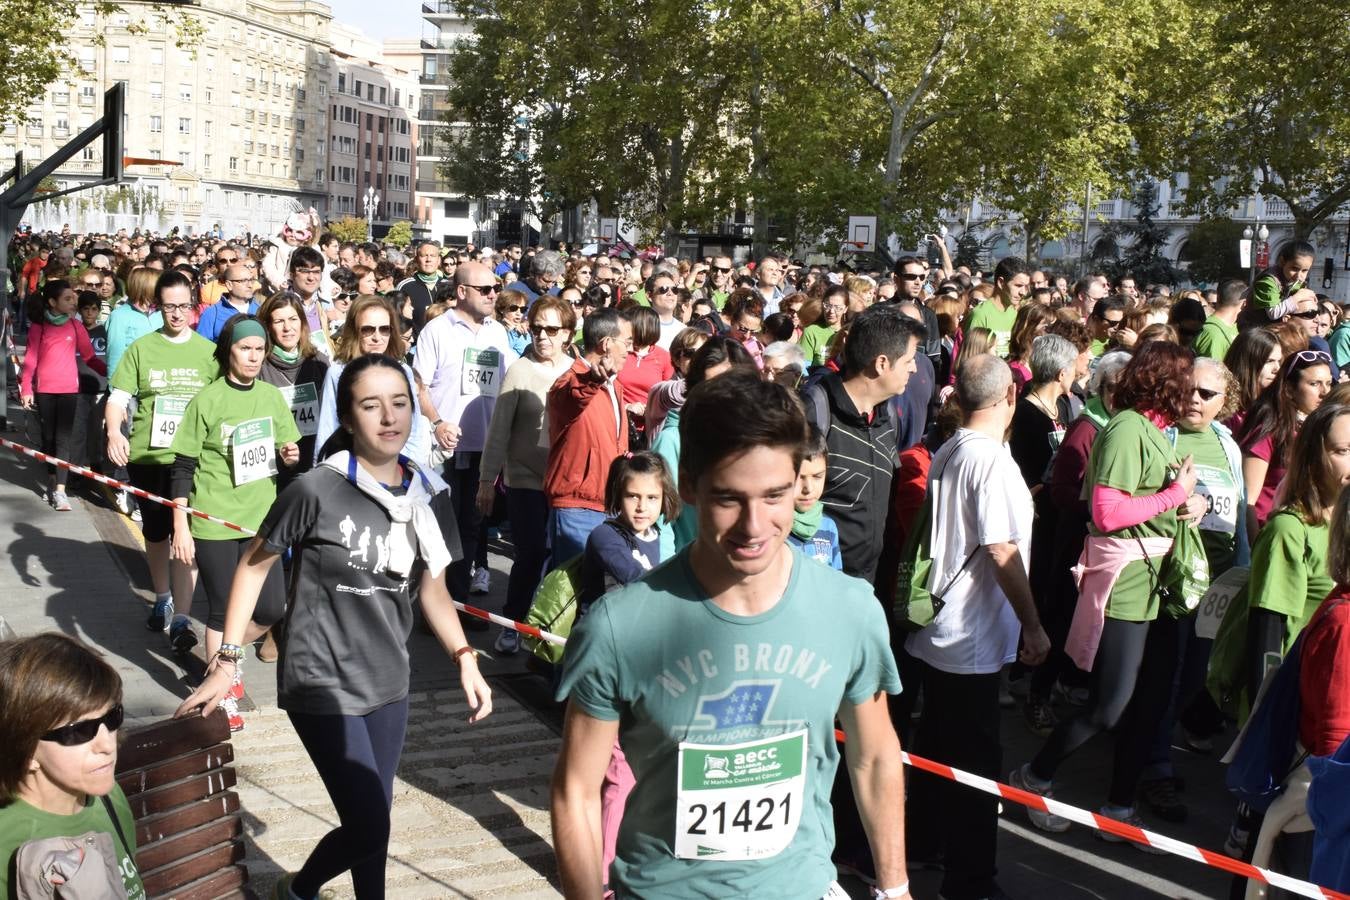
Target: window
(276,120)
(185,92)
(184,126)
(206,164)
(382,95)
(234,167)
(248,146)
(206,128)
(356,89)
(183,195)
(87,95)
(299,124)
(234,99)
(248,115)
(156,125)
(87,154)
(209,96)
(210,62)
(185,159)
(156,90)
(210,193)
(121,54)
(61,127)
(87,60)
(342,82)
(61,97)
(156,56)
(396,100)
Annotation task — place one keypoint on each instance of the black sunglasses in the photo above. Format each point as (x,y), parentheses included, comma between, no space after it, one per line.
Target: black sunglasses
(1307,314)
(485,288)
(515,309)
(664,289)
(1206,394)
(550,330)
(82,732)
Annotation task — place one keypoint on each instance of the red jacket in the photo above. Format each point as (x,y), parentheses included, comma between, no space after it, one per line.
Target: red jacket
(1324,677)
(587,431)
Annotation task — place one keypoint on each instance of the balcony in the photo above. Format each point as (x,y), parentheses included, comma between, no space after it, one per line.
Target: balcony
(1277,210)
(439,8)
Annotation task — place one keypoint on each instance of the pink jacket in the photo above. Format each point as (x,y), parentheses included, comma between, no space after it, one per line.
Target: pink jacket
(1098,567)
(51,358)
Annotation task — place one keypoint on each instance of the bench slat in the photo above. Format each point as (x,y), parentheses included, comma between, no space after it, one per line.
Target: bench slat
(172,737)
(159,774)
(177,793)
(163,852)
(182,818)
(231,882)
(160,882)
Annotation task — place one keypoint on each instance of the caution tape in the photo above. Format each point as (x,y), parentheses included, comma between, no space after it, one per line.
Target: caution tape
(1092,820)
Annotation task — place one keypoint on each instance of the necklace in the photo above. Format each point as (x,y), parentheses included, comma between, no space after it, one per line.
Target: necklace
(1045,408)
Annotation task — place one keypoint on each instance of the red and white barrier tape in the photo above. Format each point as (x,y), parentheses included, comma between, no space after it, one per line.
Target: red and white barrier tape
(979,783)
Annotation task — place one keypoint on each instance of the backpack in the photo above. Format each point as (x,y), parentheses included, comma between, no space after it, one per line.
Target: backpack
(1266,751)
(554,609)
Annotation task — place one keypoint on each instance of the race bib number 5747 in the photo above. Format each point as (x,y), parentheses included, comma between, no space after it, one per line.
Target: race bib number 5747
(740,801)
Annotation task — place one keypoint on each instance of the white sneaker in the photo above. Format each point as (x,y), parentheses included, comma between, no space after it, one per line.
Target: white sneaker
(1020,778)
(508,642)
(1128,817)
(123,501)
(481,582)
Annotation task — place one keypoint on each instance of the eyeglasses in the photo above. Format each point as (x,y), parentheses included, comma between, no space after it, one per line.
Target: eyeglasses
(226,260)
(514,309)
(237,280)
(912,276)
(836,307)
(550,330)
(664,289)
(84,731)
(175,307)
(748,331)
(485,288)
(1207,395)
(372,330)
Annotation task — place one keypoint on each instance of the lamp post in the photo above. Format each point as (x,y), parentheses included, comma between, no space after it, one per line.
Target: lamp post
(372,200)
(1262,248)
(1245,254)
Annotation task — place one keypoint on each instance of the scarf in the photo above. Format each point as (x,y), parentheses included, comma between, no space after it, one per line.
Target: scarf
(413,527)
(806,524)
(53,319)
(428,280)
(290,357)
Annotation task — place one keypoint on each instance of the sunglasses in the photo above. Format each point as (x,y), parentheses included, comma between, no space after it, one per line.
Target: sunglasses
(372,330)
(84,731)
(912,276)
(721,270)
(550,330)
(664,289)
(515,309)
(1311,356)
(226,260)
(1207,395)
(1306,314)
(485,288)
(346,296)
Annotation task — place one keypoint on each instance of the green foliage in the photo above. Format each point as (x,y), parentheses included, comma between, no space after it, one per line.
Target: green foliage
(1143,255)
(1212,247)
(399,234)
(348,228)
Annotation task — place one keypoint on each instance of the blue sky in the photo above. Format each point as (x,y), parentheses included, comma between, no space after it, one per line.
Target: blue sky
(386,19)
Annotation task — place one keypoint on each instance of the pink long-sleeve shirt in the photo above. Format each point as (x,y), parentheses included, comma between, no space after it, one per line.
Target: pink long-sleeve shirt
(50,358)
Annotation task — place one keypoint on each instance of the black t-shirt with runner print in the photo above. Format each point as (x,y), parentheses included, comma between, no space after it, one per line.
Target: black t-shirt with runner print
(347,620)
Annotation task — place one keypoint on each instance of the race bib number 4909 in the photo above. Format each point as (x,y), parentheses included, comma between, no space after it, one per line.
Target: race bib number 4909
(740,801)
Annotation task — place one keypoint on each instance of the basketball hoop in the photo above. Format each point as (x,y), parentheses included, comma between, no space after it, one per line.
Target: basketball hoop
(856,245)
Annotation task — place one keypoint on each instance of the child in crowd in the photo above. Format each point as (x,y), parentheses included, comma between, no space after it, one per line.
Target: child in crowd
(622,549)
(813,532)
(88,437)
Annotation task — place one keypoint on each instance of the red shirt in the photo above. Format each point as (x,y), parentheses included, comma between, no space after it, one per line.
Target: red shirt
(641,373)
(32,271)
(1324,676)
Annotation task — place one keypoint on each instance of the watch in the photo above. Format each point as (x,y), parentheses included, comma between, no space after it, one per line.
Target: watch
(890,893)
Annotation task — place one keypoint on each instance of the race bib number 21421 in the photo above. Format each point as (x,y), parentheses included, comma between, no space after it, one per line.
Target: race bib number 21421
(740,801)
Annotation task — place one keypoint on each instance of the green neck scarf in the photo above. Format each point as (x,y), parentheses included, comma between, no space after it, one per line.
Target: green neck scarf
(428,279)
(54,319)
(287,356)
(806,524)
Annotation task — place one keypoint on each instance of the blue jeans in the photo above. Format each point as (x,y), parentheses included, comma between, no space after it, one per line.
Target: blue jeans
(528,511)
(568,530)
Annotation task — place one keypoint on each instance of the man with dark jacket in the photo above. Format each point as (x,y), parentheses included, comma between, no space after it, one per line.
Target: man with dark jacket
(854,411)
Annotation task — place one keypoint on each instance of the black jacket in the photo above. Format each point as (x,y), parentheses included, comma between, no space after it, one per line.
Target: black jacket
(863,458)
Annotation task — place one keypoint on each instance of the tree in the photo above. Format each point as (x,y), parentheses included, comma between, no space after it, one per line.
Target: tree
(1143,257)
(1212,250)
(348,228)
(399,234)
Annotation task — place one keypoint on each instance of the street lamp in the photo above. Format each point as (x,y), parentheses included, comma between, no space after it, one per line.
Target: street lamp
(372,199)
(1245,254)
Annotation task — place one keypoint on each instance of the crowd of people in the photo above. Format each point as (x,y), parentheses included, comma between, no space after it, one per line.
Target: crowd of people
(789,496)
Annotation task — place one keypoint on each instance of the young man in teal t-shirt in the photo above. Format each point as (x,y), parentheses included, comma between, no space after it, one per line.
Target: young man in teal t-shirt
(715,675)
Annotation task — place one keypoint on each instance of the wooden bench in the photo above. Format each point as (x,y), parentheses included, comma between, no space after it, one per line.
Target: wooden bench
(189,837)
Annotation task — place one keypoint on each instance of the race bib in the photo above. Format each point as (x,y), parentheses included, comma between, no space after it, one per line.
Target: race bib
(740,801)
(165,418)
(1221,499)
(253,449)
(478,375)
(1214,605)
(303,399)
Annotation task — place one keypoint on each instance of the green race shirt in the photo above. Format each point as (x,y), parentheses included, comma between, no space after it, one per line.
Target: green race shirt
(1214,339)
(225,482)
(815,343)
(999,321)
(1289,569)
(1223,495)
(163,376)
(1097,348)
(1131,455)
(21,823)
(690,686)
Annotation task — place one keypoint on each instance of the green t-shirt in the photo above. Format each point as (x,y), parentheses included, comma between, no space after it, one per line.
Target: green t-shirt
(640,297)
(719,299)
(815,343)
(670,666)
(21,823)
(1289,569)
(1000,321)
(1131,455)
(231,479)
(1339,340)
(163,376)
(1214,339)
(1268,293)
(1097,348)
(1223,497)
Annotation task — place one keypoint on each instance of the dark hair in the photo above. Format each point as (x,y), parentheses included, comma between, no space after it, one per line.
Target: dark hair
(1247,357)
(636,464)
(743,302)
(1156,379)
(596,297)
(287,300)
(305,256)
(815,446)
(46,681)
(85,299)
(730,415)
(1274,414)
(37,303)
(347,279)
(601,324)
(899,267)
(1009,267)
(327,238)
(1304,485)
(226,338)
(879,330)
(1232,291)
(779,327)
(646,325)
(170,278)
(1108,304)
(717,350)
(1294,249)
(341,438)
(369,248)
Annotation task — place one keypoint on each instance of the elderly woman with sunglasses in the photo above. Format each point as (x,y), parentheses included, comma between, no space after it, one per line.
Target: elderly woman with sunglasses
(60,709)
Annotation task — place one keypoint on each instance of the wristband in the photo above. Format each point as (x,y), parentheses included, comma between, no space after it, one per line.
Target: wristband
(437,424)
(890,893)
(463,650)
(232,652)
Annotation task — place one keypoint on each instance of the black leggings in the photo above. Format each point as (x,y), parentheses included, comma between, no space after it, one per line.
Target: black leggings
(1131,687)
(216,563)
(356,756)
(57,414)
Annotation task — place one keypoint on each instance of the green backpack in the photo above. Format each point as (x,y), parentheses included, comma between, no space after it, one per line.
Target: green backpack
(554,609)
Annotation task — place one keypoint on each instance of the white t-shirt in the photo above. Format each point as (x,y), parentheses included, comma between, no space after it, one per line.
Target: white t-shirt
(668,332)
(979,499)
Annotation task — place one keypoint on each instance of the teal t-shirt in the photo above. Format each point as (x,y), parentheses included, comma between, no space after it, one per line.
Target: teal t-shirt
(21,823)
(673,668)
(998,320)
(1339,340)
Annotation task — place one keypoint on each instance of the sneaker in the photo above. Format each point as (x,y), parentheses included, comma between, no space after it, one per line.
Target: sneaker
(1074,696)
(231,707)
(123,501)
(1020,778)
(136,513)
(181,636)
(160,615)
(508,642)
(1040,718)
(1129,817)
(1235,845)
(60,502)
(481,582)
(1160,796)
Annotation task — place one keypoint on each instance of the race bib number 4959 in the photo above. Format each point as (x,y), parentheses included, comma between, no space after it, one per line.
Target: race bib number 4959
(740,801)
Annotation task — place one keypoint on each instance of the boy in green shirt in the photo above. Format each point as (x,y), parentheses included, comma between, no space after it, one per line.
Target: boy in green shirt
(1220,329)
(1012,283)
